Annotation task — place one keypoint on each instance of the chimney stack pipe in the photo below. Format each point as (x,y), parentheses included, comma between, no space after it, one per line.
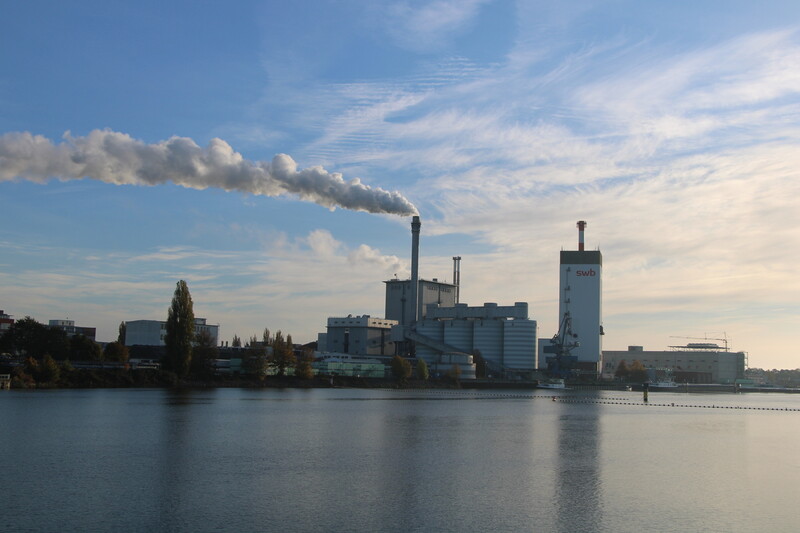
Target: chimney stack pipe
(581,227)
(457,274)
(415,227)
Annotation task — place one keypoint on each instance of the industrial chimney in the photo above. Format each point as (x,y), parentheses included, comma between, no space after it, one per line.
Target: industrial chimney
(415,226)
(581,227)
(457,274)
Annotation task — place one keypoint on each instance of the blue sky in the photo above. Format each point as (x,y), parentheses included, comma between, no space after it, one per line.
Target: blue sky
(671,127)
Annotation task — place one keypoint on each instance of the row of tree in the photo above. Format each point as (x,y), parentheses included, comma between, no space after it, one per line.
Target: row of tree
(30,338)
(635,372)
(188,353)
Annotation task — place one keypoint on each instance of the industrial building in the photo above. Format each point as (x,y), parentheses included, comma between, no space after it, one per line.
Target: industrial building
(580,307)
(427,321)
(399,294)
(69,327)
(359,335)
(152,332)
(693,363)
(503,336)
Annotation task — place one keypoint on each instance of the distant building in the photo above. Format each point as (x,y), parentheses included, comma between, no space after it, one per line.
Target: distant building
(504,336)
(581,295)
(335,364)
(5,321)
(358,335)
(69,327)
(152,332)
(693,363)
(399,295)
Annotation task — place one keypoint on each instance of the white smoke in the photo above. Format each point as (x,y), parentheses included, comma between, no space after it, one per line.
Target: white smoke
(117,158)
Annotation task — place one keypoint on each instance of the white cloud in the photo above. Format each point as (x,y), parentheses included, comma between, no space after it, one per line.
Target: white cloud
(427,26)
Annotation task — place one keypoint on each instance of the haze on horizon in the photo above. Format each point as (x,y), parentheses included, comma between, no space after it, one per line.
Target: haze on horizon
(671,128)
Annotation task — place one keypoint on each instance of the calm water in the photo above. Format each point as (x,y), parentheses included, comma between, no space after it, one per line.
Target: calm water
(360,460)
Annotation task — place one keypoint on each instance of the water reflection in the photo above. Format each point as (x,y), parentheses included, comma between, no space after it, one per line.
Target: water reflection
(578,488)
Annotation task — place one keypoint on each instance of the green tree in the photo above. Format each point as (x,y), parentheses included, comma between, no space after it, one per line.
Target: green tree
(622,372)
(254,360)
(282,353)
(28,337)
(401,368)
(204,352)
(82,348)
(49,371)
(304,368)
(116,351)
(236,342)
(266,338)
(180,331)
(123,329)
(422,369)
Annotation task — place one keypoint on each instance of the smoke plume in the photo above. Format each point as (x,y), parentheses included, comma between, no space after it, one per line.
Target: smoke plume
(117,158)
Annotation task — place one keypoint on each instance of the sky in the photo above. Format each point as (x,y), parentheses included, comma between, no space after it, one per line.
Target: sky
(270,154)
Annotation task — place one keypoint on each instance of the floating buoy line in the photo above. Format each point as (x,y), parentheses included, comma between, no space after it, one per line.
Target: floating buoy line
(574,399)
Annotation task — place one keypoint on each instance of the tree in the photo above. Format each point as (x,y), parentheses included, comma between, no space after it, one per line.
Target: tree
(454,373)
(30,338)
(204,352)
(422,369)
(82,348)
(637,372)
(304,368)
(282,353)
(401,368)
(266,338)
(236,342)
(49,371)
(254,360)
(180,331)
(123,329)
(116,351)
(622,372)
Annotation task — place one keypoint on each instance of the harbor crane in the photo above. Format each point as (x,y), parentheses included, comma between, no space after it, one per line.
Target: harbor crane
(561,363)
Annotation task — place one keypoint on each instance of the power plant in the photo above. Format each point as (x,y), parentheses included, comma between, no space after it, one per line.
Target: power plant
(425,319)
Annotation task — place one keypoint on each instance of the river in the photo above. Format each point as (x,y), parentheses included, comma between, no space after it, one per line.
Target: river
(355,460)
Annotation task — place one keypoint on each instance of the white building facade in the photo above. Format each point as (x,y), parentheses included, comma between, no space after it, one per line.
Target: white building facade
(581,295)
(152,332)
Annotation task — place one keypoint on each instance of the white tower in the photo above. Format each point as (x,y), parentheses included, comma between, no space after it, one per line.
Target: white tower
(581,295)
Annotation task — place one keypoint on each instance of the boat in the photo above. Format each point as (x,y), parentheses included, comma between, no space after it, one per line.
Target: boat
(664,384)
(551,384)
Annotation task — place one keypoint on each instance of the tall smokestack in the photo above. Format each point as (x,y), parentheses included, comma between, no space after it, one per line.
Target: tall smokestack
(457,274)
(415,226)
(581,227)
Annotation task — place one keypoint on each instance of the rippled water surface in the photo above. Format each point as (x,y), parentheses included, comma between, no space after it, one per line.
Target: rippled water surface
(383,460)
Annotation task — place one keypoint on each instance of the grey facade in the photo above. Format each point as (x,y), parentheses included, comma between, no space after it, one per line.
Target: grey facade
(359,335)
(399,297)
(503,335)
(704,364)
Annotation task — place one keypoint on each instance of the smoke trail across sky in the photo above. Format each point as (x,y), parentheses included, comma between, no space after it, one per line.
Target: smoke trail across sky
(117,158)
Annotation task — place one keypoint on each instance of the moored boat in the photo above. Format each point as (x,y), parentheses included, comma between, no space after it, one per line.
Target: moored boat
(551,384)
